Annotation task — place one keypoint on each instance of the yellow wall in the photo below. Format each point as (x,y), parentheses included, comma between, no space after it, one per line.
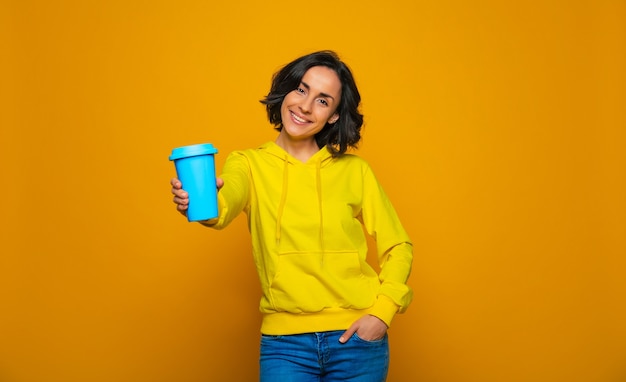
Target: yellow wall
(497,128)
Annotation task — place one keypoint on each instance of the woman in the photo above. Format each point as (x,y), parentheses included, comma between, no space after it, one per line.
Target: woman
(325,310)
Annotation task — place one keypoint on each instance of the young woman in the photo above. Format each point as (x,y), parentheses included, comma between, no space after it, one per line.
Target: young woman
(325,310)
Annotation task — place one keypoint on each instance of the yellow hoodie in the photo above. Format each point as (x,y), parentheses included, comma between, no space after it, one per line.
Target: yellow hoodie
(307,224)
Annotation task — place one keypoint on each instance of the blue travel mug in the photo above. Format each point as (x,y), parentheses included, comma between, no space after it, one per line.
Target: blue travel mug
(195,167)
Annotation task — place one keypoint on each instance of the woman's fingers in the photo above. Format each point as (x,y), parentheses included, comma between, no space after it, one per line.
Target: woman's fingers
(181,198)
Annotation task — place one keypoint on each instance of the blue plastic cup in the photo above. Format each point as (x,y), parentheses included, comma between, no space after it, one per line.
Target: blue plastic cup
(195,167)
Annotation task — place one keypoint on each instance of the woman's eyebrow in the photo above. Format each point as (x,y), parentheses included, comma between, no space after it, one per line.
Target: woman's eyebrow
(305,85)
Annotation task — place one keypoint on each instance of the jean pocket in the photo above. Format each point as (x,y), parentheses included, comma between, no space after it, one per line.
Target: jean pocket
(356,337)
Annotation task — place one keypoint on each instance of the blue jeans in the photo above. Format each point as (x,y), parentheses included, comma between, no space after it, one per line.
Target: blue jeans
(320,357)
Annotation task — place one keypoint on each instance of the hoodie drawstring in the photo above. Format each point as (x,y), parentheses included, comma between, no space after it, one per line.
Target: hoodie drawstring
(318,181)
(283,198)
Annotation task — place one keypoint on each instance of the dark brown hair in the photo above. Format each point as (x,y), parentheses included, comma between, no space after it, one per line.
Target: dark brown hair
(346,131)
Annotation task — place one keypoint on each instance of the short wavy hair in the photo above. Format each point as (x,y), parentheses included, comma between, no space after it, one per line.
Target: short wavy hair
(338,137)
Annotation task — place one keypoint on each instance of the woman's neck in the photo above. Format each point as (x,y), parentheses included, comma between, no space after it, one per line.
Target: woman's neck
(301,150)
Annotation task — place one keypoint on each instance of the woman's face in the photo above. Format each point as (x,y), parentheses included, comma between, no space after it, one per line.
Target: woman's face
(306,109)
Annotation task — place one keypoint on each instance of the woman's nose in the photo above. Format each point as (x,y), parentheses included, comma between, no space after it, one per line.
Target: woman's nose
(306,105)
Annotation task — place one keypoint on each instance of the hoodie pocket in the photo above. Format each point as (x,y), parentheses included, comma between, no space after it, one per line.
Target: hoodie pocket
(311,282)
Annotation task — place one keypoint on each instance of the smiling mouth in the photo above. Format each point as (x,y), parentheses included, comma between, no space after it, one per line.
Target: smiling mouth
(298,119)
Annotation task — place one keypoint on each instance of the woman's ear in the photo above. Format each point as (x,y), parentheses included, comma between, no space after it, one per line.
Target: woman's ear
(333,119)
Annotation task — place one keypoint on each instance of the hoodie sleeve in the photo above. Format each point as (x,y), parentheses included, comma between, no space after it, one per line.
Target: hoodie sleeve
(394,248)
(234,196)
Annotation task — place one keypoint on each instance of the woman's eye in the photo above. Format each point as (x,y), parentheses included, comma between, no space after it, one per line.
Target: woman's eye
(323,102)
(299,90)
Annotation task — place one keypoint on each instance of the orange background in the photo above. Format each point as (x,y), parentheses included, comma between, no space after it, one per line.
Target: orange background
(497,128)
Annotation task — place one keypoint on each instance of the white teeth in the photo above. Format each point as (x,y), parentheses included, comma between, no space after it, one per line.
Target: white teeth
(298,118)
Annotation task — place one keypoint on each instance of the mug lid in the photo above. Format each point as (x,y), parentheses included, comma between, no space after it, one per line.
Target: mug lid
(193,150)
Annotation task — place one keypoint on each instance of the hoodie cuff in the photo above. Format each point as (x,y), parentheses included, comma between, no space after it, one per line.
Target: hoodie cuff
(385,309)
